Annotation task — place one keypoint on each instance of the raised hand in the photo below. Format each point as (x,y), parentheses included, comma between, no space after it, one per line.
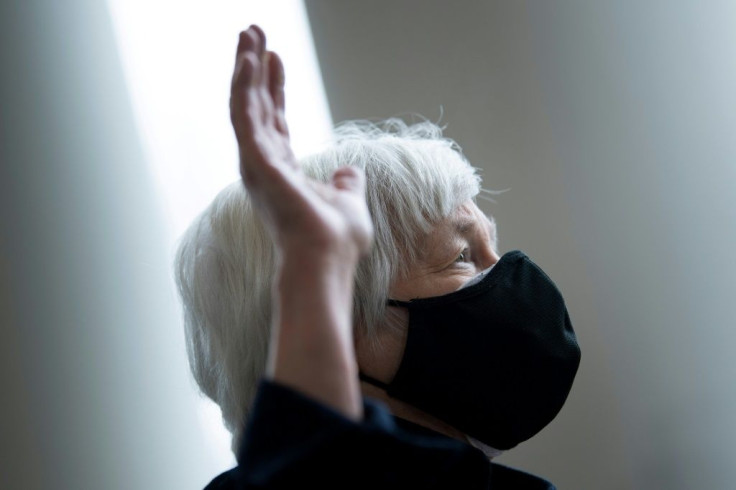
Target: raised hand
(320,230)
(310,216)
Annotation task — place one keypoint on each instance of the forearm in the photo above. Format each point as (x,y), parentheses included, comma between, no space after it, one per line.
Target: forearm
(312,341)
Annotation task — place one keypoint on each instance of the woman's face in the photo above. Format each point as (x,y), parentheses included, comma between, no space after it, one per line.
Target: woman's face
(457,249)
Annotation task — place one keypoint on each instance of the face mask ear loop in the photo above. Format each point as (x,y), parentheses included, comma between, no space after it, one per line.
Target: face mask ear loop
(373,381)
(396,302)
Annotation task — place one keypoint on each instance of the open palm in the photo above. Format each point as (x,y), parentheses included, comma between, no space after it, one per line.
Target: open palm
(302,213)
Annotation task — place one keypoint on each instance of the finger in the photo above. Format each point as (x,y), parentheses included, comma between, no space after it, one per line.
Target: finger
(276,89)
(260,80)
(245,106)
(244,72)
(246,42)
(259,48)
(349,179)
(276,80)
(260,38)
(250,42)
(262,89)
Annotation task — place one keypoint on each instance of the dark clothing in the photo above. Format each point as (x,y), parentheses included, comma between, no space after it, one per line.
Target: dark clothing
(292,441)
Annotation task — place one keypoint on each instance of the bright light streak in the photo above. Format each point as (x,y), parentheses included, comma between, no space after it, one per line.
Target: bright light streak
(178,57)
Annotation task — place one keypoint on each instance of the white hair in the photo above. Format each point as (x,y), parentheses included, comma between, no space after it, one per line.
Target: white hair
(225,262)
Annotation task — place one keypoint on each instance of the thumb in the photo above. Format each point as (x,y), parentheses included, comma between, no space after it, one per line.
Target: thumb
(350,179)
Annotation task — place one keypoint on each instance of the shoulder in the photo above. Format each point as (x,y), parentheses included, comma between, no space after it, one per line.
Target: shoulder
(504,477)
(224,481)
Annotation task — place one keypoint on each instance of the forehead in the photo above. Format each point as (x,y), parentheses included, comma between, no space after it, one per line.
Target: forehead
(466,217)
(462,220)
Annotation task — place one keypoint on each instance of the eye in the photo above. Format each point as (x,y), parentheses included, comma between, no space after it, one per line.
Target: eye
(463,257)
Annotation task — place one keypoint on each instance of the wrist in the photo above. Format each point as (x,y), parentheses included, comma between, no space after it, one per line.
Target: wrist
(316,291)
(305,264)
(312,338)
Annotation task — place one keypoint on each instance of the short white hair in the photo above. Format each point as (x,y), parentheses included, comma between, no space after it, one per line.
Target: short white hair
(225,262)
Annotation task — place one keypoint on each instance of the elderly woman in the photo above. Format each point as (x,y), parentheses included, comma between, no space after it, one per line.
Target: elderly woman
(350,313)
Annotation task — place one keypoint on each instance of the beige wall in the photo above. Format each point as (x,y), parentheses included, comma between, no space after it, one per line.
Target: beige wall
(612,124)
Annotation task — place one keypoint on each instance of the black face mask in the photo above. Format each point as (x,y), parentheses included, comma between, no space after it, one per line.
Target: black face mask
(496,360)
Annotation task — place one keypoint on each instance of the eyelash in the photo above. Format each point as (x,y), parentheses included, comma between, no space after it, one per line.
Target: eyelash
(463,257)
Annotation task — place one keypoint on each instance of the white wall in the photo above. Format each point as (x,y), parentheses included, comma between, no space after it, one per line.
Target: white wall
(95,388)
(613,125)
(115,134)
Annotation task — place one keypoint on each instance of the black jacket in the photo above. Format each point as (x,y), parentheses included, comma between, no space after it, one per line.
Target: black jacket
(292,441)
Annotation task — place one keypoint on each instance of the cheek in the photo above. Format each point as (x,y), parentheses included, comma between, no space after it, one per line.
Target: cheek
(435,285)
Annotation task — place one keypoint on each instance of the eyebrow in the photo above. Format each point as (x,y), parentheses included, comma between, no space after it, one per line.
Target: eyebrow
(464,225)
(436,256)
